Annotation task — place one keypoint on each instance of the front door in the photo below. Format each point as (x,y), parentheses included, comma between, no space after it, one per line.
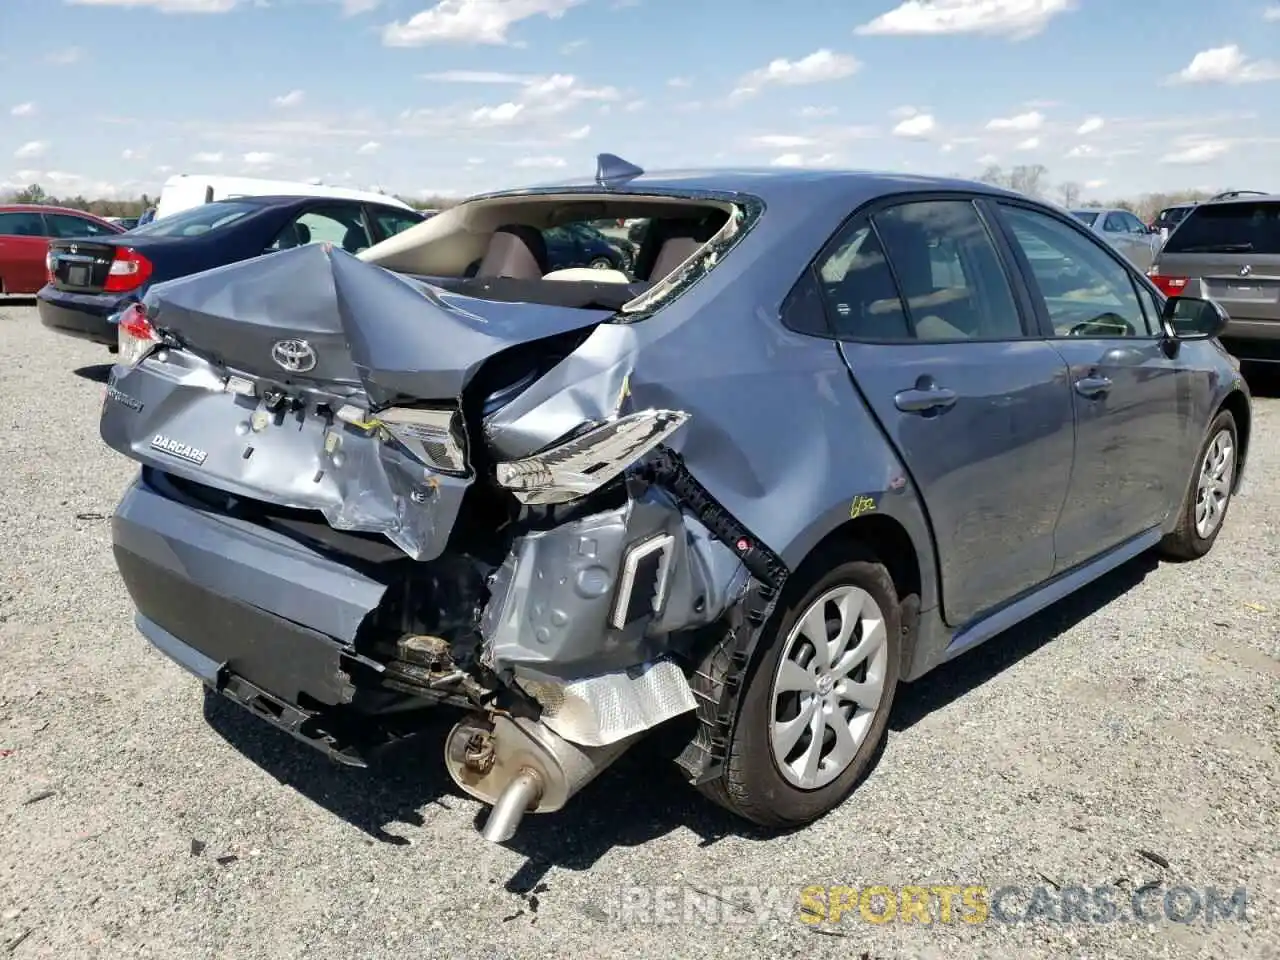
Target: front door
(979,410)
(1131,452)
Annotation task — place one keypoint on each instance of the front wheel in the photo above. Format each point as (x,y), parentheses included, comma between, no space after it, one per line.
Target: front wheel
(601,263)
(817,699)
(1209,494)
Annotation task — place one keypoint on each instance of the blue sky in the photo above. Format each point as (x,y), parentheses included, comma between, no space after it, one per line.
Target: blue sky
(108,97)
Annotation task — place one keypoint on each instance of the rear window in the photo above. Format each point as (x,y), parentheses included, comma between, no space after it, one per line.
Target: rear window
(197,220)
(1087,217)
(1229,228)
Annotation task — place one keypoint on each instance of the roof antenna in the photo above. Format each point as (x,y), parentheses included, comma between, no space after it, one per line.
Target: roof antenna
(613,171)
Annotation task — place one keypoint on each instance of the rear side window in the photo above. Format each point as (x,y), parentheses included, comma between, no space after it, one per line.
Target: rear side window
(928,270)
(391,223)
(1239,227)
(197,220)
(22,224)
(1087,217)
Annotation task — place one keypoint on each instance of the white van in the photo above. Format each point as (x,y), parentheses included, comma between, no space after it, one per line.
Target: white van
(185,190)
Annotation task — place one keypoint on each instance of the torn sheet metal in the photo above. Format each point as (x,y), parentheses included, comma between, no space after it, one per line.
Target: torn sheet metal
(604,592)
(367,326)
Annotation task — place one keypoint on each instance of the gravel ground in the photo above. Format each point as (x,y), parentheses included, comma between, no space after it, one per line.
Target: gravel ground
(140,820)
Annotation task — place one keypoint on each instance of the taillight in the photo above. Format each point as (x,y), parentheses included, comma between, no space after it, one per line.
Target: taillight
(129,270)
(50,262)
(1169,286)
(135,336)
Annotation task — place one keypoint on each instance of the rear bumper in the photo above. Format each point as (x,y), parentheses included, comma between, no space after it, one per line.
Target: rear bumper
(80,315)
(235,604)
(1256,340)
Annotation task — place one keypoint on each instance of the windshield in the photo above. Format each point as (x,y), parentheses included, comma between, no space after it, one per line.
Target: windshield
(1229,228)
(197,220)
(1086,217)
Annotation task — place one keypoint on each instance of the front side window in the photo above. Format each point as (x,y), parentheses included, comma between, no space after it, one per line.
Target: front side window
(1087,291)
(391,222)
(1115,223)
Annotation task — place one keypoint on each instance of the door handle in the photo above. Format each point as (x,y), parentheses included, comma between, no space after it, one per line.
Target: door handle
(921,401)
(1093,386)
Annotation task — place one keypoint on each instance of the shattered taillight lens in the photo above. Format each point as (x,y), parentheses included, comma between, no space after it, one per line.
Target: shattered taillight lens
(583,464)
(434,436)
(135,336)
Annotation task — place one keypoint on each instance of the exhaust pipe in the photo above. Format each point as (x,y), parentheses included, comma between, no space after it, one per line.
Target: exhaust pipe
(520,766)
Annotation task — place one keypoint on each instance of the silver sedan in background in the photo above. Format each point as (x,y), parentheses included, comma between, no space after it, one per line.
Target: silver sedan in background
(1124,231)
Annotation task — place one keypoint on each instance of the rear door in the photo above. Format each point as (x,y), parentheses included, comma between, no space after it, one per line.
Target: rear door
(938,341)
(340,222)
(1229,251)
(23,245)
(1131,457)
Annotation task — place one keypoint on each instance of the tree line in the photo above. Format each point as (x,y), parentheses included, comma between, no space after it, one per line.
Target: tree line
(1033,180)
(135,207)
(1030,179)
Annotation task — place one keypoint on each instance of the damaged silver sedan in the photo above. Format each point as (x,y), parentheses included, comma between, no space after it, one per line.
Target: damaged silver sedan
(575,504)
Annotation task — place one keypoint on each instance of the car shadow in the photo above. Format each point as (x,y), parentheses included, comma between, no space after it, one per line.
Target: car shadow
(96,372)
(641,797)
(1263,379)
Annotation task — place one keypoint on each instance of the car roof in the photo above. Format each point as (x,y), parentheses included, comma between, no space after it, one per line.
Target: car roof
(771,184)
(1246,199)
(45,208)
(288,199)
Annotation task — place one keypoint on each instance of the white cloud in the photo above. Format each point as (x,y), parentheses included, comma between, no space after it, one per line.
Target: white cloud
(24,110)
(33,148)
(290,99)
(351,8)
(1092,125)
(207,157)
(573,46)
(1031,143)
(164,6)
(540,163)
(818,67)
(369,149)
(679,82)
(1080,151)
(814,113)
(1022,123)
(502,113)
(131,154)
(1226,65)
(947,148)
(1272,14)
(581,133)
(470,21)
(635,106)
(65,57)
(260,158)
(916,126)
(988,159)
(476,76)
(1197,152)
(1094,184)
(781,141)
(1017,19)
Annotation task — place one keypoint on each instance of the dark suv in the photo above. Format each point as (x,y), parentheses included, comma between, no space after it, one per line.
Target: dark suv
(1229,251)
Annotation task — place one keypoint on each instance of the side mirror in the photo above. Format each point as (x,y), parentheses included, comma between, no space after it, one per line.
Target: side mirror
(1193,318)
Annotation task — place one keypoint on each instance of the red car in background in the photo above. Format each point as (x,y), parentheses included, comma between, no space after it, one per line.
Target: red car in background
(25,232)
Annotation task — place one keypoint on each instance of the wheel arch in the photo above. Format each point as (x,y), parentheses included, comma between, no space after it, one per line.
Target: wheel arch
(1242,413)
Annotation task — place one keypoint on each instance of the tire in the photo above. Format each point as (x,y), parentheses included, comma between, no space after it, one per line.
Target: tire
(601,263)
(1189,540)
(754,785)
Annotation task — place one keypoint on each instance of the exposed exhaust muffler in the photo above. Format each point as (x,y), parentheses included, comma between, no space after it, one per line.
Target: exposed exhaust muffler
(520,766)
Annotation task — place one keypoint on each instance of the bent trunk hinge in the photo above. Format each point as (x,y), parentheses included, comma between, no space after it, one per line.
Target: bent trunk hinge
(716,680)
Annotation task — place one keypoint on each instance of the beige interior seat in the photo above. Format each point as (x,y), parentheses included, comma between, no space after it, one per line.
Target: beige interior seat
(515,251)
(588,275)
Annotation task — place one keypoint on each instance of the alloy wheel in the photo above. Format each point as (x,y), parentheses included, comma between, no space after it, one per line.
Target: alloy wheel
(1213,489)
(828,686)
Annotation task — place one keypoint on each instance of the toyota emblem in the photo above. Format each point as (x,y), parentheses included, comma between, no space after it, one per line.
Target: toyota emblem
(1246,270)
(296,356)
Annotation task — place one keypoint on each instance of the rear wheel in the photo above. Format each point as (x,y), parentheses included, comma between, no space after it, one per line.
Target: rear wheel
(1208,495)
(817,698)
(601,263)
